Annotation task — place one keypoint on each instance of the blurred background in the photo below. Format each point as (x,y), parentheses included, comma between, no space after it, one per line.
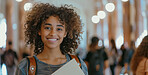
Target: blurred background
(121,20)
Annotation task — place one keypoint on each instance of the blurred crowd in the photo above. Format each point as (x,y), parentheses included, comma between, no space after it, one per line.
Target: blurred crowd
(99,60)
(9,60)
(112,61)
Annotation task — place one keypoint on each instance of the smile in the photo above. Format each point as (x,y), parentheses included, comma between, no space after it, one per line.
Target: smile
(52,40)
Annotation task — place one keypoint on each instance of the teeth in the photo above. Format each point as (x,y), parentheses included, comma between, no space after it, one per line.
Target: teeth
(52,39)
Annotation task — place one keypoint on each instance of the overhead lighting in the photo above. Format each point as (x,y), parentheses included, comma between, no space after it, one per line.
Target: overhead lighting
(110,7)
(101,14)
(95,19)
(27,6)
(19,0)
(124,0)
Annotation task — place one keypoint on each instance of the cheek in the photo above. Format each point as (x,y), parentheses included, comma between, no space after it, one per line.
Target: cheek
(62,35)
(44,33)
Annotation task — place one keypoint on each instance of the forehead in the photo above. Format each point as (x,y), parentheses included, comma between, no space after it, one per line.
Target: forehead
(53,19)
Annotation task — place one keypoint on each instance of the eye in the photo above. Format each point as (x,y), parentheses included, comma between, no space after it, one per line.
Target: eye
(59,29)
(49,28)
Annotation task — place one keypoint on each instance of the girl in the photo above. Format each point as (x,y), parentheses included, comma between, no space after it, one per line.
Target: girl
(55,33)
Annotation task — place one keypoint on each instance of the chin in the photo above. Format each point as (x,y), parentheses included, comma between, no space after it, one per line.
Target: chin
(52,46)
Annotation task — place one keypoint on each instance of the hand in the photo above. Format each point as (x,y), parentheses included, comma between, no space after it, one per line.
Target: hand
(97,67)
(126,68)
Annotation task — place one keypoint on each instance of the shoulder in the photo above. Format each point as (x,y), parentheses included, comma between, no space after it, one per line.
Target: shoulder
(22,66)
(22,63)
(101,50)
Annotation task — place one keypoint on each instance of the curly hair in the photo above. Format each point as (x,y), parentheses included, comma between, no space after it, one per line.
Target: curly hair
(40,12)
(141,52)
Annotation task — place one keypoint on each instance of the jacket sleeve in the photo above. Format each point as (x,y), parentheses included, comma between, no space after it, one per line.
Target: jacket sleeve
(83,66)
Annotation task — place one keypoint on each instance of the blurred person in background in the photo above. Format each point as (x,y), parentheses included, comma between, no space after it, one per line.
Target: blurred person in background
(113,54)
(130,52)
(10,58)
(122,64)
(96,59)
(139,62)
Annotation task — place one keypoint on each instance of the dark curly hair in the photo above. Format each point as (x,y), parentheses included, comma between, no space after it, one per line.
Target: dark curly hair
(141,52)
(40,12)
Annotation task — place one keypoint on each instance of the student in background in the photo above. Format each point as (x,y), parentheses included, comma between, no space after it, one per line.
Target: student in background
(139,62)
(113,54)
(122,65)
(96,59)
(130,53)
(10,59)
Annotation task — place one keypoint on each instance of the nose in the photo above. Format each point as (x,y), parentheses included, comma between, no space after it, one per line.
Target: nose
(52,32)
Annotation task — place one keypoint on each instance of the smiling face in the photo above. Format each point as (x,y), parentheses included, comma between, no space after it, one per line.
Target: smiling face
(52,32)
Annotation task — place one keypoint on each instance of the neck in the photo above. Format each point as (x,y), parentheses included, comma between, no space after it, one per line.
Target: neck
(50,53)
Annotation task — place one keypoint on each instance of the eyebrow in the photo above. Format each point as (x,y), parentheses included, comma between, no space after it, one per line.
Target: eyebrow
(47,24)
(51,25)
(60,26)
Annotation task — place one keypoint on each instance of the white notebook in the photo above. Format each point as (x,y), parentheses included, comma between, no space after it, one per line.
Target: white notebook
(70,68)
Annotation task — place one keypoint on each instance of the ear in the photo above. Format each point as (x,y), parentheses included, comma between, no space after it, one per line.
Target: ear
(39,33)
(65,34)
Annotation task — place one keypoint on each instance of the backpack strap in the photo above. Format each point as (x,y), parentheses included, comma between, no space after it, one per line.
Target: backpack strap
(31,65)
(76,58)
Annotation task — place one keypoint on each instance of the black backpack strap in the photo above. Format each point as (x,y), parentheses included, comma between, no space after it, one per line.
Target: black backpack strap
(32,67)
(76,58)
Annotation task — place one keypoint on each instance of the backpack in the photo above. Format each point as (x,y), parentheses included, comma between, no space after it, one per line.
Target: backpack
(32,68)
